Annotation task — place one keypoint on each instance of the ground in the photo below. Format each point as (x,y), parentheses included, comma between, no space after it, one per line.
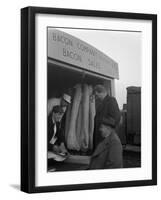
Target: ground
(130,160)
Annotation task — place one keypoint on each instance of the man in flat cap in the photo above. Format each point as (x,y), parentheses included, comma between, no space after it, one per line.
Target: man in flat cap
(107,146)
(106,112)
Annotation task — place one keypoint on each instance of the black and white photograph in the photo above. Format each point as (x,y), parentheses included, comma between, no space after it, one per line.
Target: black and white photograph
(89,91)
(94,99)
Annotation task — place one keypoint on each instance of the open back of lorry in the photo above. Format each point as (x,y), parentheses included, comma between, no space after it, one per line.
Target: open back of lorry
(71,61)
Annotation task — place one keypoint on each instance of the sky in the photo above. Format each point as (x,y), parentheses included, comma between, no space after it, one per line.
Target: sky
(124,48)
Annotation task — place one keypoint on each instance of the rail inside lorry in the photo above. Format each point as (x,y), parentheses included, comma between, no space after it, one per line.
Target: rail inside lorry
(62,77)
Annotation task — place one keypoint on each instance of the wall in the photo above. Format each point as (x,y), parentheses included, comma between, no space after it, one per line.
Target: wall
(10,98)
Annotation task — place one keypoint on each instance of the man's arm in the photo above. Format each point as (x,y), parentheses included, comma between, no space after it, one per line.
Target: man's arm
(50,147)
(51,103)
(113,114)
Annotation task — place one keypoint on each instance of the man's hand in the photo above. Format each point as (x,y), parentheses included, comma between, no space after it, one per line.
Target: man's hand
(60,149)
(56,149)
(63,148)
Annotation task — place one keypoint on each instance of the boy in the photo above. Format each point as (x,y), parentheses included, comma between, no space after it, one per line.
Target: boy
(108,153)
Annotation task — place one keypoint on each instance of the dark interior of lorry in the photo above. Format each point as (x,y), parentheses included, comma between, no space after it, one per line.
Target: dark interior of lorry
(60,79)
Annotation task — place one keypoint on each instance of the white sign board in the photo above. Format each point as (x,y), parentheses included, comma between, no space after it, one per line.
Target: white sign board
(66,48)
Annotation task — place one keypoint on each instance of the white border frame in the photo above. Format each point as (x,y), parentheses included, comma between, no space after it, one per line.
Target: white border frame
(93,176)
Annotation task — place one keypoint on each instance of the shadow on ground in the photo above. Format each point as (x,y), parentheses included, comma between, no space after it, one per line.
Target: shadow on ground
(15,186)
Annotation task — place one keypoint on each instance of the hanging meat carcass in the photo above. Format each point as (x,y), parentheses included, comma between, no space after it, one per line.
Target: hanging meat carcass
(92,112)
(67,121)
(79,124)
(85,119)
(72,140)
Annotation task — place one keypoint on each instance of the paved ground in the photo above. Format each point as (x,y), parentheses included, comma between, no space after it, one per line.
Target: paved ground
(131,159)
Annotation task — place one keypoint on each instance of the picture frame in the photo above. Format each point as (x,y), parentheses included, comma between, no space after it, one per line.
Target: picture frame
(29,72)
